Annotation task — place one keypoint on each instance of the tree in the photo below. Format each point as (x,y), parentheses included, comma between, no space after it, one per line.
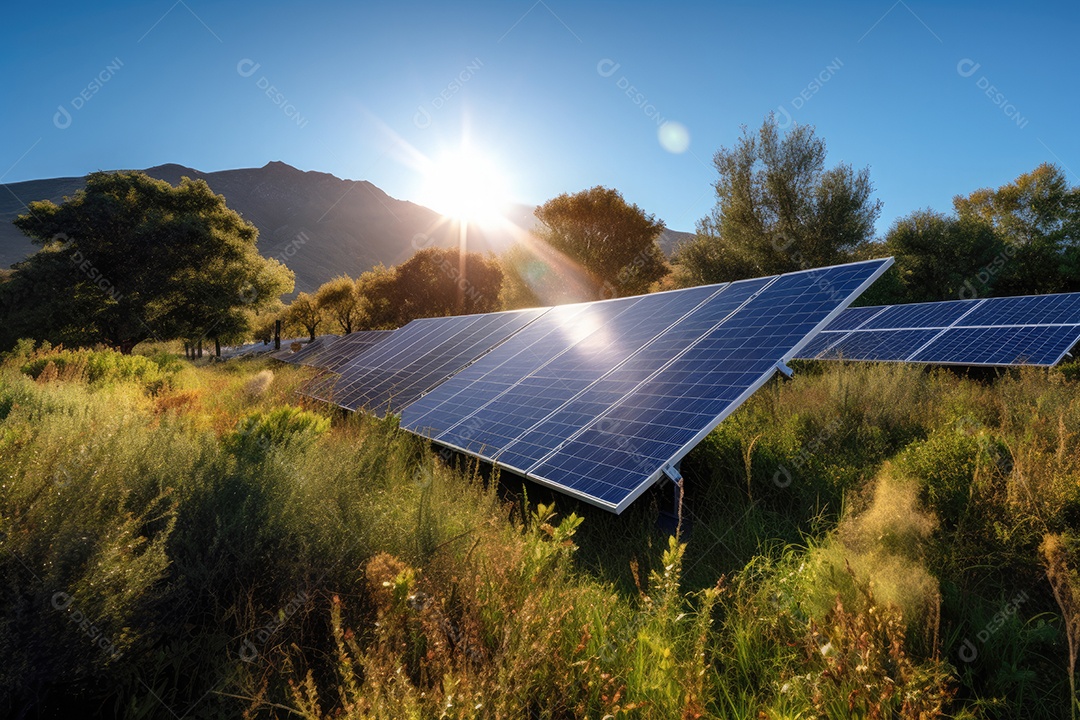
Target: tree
(340,301)
(129,258)
(779,209)
(377,289)
(1037,216)
(610,240)
(431,283)
(704,260)
(264,324)
(940,257)
(305,312)
(535,275)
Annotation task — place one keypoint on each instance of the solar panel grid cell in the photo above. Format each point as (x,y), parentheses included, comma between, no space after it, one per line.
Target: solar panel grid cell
(919,315)
(590,361)
(1000,346)
(1029,310)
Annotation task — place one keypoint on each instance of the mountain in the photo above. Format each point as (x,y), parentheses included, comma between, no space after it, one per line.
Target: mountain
(317,224)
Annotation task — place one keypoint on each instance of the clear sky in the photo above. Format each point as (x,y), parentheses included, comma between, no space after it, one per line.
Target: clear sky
(937,98)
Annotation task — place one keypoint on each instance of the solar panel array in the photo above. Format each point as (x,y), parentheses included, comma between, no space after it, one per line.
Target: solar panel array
(598,400)
(1026,330)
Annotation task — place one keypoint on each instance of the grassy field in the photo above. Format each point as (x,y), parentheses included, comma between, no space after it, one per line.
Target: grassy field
(861,541)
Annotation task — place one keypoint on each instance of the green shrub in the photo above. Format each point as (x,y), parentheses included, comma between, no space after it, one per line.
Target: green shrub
(98,367)
(282,427)
(945,464)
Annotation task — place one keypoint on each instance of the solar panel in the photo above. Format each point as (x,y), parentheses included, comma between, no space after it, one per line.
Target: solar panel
(1026,330)
(870,344)
(401,369)
(623,375)
(570,356)
(346,348)
(600,400)
(406,342)
(1038,345)
(916,315)
(495,373)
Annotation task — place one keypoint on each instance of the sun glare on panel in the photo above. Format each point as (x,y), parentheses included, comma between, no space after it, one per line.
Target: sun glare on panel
(466,186)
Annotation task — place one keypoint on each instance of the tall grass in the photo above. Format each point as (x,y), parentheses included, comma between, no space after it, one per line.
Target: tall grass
(860,541)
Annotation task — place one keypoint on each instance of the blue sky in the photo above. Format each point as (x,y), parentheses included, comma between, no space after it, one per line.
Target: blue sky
(543,87)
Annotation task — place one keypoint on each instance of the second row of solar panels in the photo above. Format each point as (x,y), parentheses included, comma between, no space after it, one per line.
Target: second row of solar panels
(1026,330)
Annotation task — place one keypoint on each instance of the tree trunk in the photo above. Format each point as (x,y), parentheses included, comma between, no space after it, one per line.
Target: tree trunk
(217,347)
(200,348)
(277,334)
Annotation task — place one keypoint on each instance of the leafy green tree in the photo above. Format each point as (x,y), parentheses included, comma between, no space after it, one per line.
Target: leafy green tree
(304,311)
(704,260)
(941,257)
(779,209)
(613,242)
(30,305)
(340,300)
(265,322)
(377,289)
(1037,216)
(536,275)
(434,282)
(129,258)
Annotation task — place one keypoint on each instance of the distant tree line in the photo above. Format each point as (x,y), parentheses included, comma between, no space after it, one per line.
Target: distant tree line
(432,283)
(130,258)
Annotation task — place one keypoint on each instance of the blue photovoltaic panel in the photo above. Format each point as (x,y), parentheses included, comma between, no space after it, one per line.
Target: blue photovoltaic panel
(598,339)
(873,344)
(405,342)
(1060,309)
(819,346)
(623,413)
(916,315)
(449,345)
(624,376)
(853,318)
(348,348)
(549,381)
(624,450)
(411,381)
(495,373)
(1001,346)
(1028,330)
(376,365)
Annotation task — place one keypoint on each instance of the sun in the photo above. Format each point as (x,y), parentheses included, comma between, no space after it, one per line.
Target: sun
(467,186)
